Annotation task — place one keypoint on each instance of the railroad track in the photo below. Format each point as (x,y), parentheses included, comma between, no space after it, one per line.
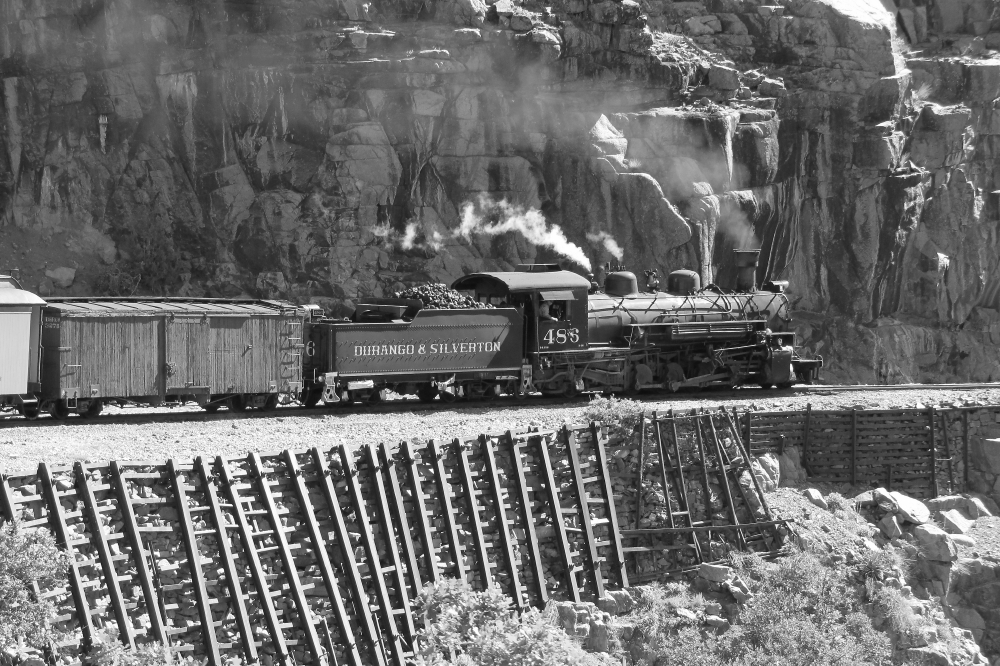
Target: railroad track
(402,406)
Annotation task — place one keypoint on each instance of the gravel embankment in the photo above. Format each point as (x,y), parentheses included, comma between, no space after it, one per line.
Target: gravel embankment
(185,432)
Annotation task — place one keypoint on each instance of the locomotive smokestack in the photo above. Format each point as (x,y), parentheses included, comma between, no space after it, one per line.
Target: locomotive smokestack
(746,269)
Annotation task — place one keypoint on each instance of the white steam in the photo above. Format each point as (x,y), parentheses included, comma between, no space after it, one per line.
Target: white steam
(529,223)
(737,227)
(493,218)
(608,242)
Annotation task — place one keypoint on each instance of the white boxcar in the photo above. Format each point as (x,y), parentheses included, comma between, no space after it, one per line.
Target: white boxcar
(20,327)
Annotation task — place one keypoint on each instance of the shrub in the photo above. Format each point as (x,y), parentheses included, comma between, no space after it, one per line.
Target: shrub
(838,502)
(881,564)
(465,627)
(655,615)
(747,564)
(891,604)
(107,650)
(620,415)
(803,612)
(27,557)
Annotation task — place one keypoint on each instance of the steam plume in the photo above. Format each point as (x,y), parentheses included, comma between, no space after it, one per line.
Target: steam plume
(605,239)
(529,223)
(735,224)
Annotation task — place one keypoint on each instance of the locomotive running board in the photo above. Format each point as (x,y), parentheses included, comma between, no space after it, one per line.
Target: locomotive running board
(697,330)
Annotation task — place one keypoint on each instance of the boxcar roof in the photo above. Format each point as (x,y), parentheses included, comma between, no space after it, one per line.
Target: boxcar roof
(154,306)
(516,281)
(10,294)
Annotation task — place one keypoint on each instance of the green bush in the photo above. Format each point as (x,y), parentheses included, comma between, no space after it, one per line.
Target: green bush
(893,606)
(107,650)
(804,612)
(881,564)
(26,557)
(620,415)
(463,627)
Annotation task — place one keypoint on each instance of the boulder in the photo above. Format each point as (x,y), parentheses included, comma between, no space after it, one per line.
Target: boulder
(790,463)
(767,469)
(935,544)
(929,656)
(617,602)
(955,522)
(720,623)
(717,573)
(723,78)
(985,452)
(963,540)
(771,88)
(884,500)
(969,618)
(816,497)
(686,614)
(890,526)
(698,26)
(910,509)
(976,508)
(61,277)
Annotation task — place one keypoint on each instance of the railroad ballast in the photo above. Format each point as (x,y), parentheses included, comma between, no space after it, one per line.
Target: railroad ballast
(538,329)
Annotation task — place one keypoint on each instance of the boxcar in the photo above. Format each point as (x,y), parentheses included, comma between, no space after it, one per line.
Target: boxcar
(450,353)
(20,319)
(237,353)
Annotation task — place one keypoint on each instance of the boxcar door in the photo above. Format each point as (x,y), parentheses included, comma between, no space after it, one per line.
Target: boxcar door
(186,353)
(230,346)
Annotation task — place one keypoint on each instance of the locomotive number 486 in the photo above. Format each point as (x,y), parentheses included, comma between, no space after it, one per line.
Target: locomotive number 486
(561,336)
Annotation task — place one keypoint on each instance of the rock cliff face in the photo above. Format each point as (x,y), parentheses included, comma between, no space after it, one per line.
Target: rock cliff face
(325,151)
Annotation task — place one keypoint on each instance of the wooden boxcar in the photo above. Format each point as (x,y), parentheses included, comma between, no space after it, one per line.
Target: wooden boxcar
(20,319)
(237,353)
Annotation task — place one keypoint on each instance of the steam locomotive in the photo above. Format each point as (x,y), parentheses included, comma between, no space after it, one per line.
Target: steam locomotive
(540,329)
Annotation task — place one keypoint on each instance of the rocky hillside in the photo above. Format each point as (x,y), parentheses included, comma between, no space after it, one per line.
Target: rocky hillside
(322,151)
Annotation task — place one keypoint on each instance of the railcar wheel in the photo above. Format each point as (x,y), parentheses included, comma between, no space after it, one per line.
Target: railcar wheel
(93,410)
(766,385)
(211,408)
(30,413)
(376,397)
(427,393)
(237,404)
(448,397)
(311,399)
(270,404)
(59,409)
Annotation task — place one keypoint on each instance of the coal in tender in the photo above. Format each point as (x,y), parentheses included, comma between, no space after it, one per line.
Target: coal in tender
(437,296)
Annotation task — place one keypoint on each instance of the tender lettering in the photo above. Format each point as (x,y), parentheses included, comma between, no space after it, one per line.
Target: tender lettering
(432,348)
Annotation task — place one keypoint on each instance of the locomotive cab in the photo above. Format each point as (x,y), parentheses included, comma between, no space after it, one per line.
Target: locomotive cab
(552,301)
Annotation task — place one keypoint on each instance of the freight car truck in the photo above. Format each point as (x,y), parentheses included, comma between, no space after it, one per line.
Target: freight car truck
(20,317)
(237,353)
